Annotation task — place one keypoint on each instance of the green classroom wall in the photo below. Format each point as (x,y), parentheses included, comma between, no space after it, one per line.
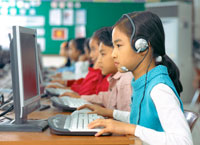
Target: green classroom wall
(98,15)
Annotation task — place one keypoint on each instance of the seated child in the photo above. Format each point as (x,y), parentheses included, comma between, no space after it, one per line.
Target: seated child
(156,115)
(76,50)
(80,68)
(119,94)
(94,82)
(68,66)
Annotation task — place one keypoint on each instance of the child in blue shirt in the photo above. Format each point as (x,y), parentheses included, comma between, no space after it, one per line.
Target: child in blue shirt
(156,115)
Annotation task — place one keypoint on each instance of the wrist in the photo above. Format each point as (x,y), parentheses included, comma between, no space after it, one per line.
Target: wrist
(109,113)
(130,129)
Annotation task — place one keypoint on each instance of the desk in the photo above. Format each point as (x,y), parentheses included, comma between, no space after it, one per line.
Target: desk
(46,138)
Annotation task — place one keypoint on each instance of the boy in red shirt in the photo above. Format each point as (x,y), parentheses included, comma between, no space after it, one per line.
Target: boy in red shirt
(94,82)
(119,94)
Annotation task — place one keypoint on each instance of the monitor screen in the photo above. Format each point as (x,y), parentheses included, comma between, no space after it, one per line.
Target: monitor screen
(28,56)
(25,81)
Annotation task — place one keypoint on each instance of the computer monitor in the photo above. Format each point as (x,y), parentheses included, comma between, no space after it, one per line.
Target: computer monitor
(25,80)
(40,63)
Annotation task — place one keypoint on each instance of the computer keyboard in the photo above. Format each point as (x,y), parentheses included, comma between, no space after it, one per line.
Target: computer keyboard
(79,122)
(73,102)
(75,124)
(68,103)
(56,91)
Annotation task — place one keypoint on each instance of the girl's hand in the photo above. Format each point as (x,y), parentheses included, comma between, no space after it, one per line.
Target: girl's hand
(60,82)
(112,126)
(55,86)
(58,75)
(71,94)
(96,109)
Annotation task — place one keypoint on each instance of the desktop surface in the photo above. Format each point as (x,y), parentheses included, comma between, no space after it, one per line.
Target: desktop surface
(46,138)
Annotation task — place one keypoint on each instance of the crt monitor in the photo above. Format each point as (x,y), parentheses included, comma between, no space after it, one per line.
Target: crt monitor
(25,80)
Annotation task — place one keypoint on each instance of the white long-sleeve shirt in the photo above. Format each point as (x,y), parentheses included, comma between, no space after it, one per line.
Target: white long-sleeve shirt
(174,124)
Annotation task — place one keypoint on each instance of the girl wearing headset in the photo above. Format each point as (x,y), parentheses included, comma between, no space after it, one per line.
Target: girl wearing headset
(156,115)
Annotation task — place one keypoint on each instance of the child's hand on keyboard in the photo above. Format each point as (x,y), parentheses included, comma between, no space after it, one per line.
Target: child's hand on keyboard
(71,94)
(96,109)
(63,82)
(56,85)
(112,126)
(58,75)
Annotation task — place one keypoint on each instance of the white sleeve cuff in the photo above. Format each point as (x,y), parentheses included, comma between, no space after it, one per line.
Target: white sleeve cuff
(123,116)
(137,131)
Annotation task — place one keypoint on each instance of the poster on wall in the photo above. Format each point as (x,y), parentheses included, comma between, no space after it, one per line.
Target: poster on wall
(55,17)
(81,17)
(59,34)
(68,17)
(26,21)
(80,31)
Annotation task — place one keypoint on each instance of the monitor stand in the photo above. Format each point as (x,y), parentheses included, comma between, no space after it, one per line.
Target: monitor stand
(29,126)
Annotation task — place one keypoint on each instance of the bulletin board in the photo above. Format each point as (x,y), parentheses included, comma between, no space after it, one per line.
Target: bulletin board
(60,21)
(98,15)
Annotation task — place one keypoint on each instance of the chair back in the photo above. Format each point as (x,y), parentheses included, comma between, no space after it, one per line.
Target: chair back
(191,118)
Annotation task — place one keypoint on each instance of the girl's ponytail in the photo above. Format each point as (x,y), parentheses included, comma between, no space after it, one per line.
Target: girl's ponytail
(173,72)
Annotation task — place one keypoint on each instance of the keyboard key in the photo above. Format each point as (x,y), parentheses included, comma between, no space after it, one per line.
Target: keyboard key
(67,122)
(74,121)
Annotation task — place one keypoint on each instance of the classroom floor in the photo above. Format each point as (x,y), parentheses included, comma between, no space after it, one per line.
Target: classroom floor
(196,129)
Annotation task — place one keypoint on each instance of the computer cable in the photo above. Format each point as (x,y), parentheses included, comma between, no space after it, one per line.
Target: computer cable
(8,110)
(1,100)
(10,98)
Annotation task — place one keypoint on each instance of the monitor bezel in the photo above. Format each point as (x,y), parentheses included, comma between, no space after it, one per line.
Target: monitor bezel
(23,107)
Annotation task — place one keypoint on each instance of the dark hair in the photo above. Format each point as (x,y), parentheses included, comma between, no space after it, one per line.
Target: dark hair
(149,26)
(97,33)
(105,36)
(79,43)
(86,44)
(68,63)
(67,45)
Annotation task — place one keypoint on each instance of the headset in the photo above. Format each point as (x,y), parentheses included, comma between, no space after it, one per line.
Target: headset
(140,44)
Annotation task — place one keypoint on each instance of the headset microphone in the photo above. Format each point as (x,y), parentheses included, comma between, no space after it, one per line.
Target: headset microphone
(123,68)
(139,44)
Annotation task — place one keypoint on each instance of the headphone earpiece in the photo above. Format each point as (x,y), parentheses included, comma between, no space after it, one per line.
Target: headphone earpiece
(140,44)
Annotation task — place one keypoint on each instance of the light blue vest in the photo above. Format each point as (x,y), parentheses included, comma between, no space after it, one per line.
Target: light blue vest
(146,115)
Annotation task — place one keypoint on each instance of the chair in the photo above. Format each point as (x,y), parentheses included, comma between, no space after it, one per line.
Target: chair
(191,118)
(195,97)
